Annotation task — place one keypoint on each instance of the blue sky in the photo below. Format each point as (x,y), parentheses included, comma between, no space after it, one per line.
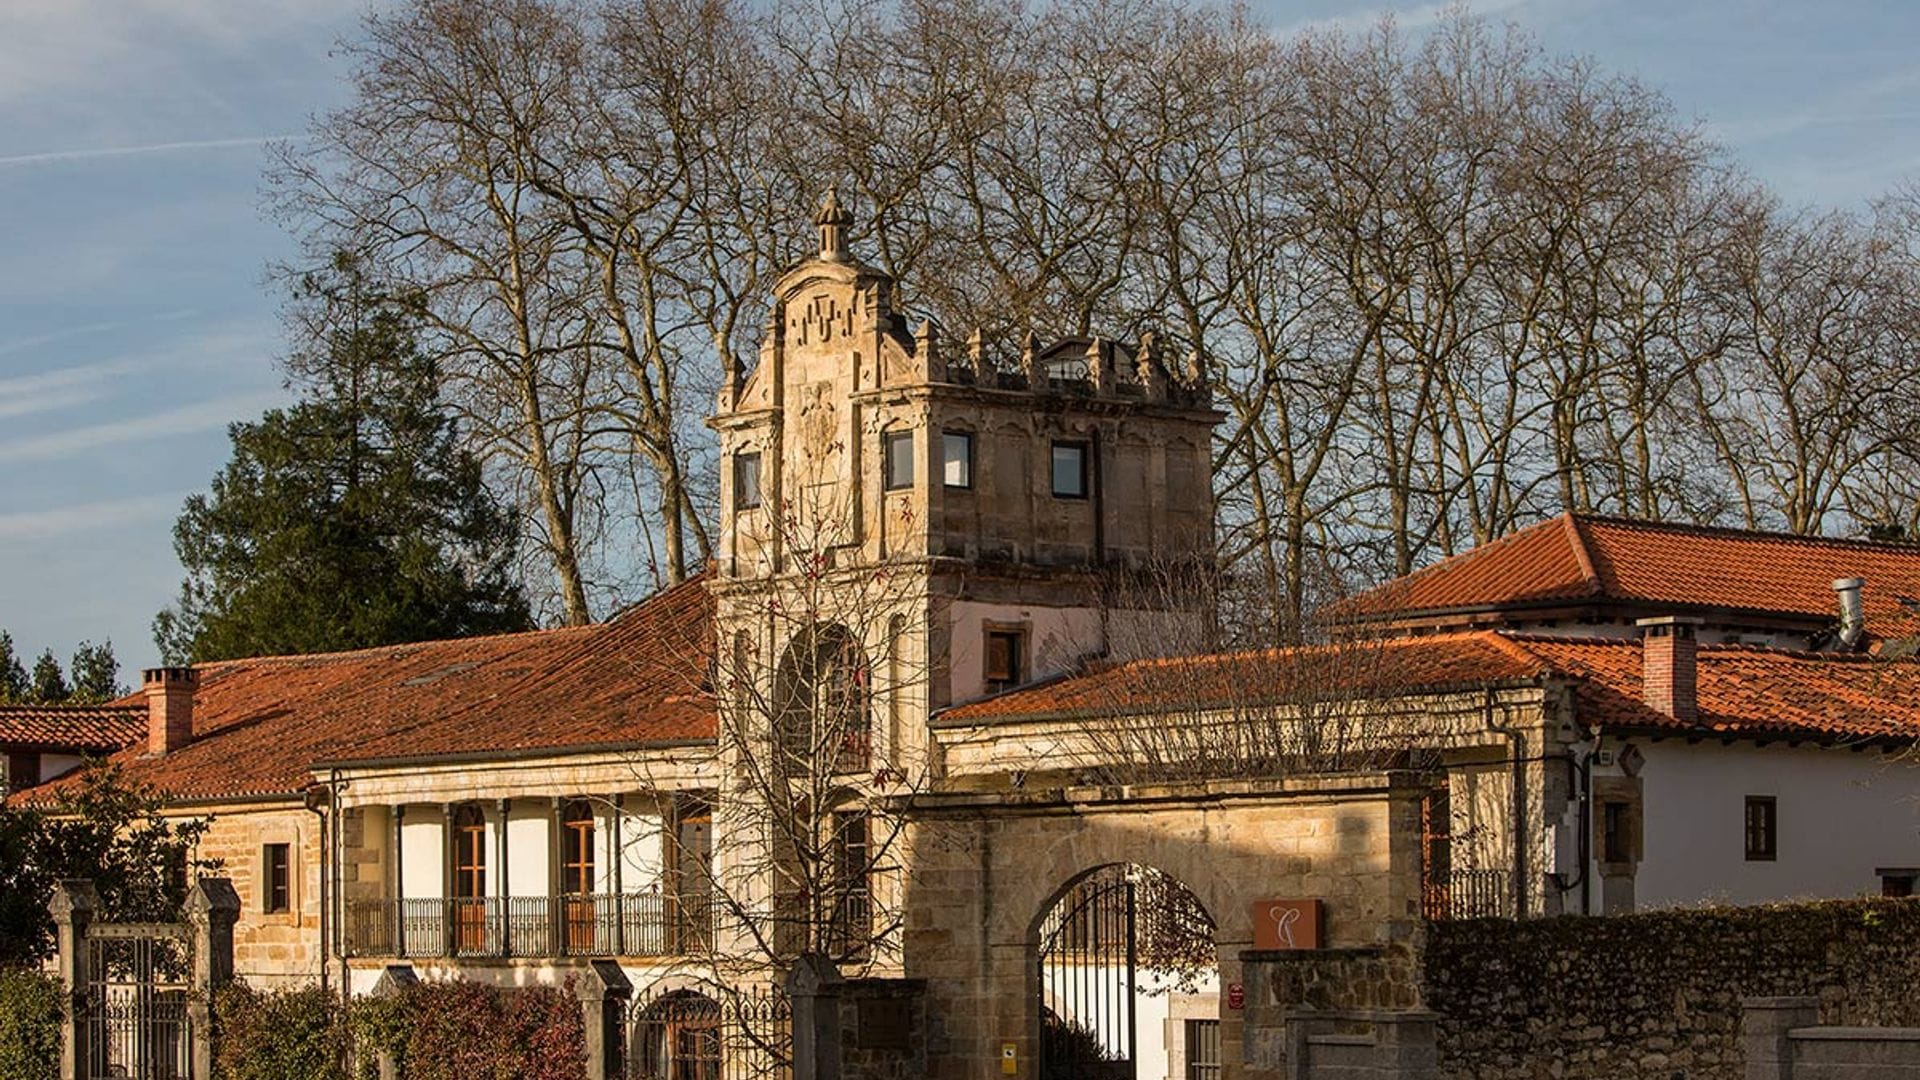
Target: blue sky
(134,324)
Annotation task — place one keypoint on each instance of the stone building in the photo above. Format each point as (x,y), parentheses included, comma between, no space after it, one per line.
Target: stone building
(958,603)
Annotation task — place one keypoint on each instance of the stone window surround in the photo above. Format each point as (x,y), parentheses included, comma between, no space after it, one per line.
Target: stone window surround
(893,444)
(746,492)
(946,458)
(1085,451)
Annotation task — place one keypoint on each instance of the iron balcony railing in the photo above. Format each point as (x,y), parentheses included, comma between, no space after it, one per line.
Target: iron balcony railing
(598,924)
(1468,894)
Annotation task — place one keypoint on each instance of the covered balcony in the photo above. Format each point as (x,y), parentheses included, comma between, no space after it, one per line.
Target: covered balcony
(534,878)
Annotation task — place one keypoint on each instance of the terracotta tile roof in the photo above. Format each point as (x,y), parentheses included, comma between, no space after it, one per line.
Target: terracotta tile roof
(1577,557)
(1360,669)
(261,725)
(1742,689)
(95,729)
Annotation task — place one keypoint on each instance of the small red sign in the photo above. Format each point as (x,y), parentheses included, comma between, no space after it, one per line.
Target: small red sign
(1236,996)
(1287,924)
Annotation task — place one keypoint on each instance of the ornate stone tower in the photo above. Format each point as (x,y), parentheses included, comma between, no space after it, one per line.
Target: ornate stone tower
(969,524)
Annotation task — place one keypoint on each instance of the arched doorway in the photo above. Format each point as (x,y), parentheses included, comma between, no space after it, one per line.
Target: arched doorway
(677,1037)
(1128,980)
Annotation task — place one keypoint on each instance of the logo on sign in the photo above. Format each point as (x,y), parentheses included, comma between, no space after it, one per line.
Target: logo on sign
(1287,924)
(1236,996)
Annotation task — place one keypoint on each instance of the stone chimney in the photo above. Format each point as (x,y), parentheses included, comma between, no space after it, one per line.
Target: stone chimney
(1669,666)
(169,693)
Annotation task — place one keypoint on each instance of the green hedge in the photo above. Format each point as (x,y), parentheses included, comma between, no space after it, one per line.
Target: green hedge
(29,1025)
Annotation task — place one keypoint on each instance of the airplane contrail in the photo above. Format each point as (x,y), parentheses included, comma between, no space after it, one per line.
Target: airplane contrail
(53,156)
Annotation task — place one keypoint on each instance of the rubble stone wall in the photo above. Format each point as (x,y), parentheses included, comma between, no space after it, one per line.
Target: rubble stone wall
(1658,995)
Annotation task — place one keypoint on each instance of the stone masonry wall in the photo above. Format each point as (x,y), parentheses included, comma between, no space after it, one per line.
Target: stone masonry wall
(270,948)
(1657,996)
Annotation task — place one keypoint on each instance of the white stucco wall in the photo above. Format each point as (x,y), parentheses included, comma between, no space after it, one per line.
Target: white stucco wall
(422,854)
(529,869)
(1055,638)
(1841,814)
(641,846)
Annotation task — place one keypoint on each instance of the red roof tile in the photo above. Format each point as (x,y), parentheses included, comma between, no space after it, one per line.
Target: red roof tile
(1359,669)
(1742,689)
(88,728)
(261,725)
(1575,558)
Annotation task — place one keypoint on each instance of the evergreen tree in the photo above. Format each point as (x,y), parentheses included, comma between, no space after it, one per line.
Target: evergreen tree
(13,675)
(351,519)
(96,674)
(49,683)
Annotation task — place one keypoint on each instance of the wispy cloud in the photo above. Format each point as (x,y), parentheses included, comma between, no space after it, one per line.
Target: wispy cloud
(52,157)
(1407,16)
(215,348)
(86,517)
(184,420)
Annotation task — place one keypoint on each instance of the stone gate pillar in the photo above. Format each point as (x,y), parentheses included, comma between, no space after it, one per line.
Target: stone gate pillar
(814,988)
(604,991)
(72,907)
(211,909)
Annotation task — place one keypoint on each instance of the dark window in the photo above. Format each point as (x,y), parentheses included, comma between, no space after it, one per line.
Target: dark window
(576,848)
(1203,1050)
(1762,828)
(746,481)
(469,853)
(1070,470)
(1896,885)
(898,447)
(277,877)
(956,465)
(853,906)
(1616,844)
(23,770)
(1003,659)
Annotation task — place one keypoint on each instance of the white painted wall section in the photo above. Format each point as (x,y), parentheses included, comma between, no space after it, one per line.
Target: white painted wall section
(529,873)
(422,854)
(1841,815)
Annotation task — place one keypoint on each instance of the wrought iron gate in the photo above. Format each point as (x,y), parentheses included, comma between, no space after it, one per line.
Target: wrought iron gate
(136,1024)
(1089,959)
(1123,932)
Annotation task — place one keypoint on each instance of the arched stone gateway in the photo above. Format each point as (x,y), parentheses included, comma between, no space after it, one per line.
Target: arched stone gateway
(990,870)
(1128,980)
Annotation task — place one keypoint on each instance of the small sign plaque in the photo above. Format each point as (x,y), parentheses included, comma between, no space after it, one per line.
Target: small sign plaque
(1288,924)
(1236,996)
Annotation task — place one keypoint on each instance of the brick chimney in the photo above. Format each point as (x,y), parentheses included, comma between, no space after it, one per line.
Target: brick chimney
(1669,667)
(169,707)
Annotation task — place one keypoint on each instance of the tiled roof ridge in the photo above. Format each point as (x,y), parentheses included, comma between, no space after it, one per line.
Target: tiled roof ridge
(1732,532)
(1274,652)
(68,708)
(1704,649)
(1512,645)
(1582,554)
(371,651)
(1407,581)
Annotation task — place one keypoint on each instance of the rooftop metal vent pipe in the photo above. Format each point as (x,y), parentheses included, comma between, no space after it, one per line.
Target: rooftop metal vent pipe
(1853,616)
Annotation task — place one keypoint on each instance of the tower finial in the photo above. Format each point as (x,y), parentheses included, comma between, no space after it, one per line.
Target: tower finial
(833,220)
